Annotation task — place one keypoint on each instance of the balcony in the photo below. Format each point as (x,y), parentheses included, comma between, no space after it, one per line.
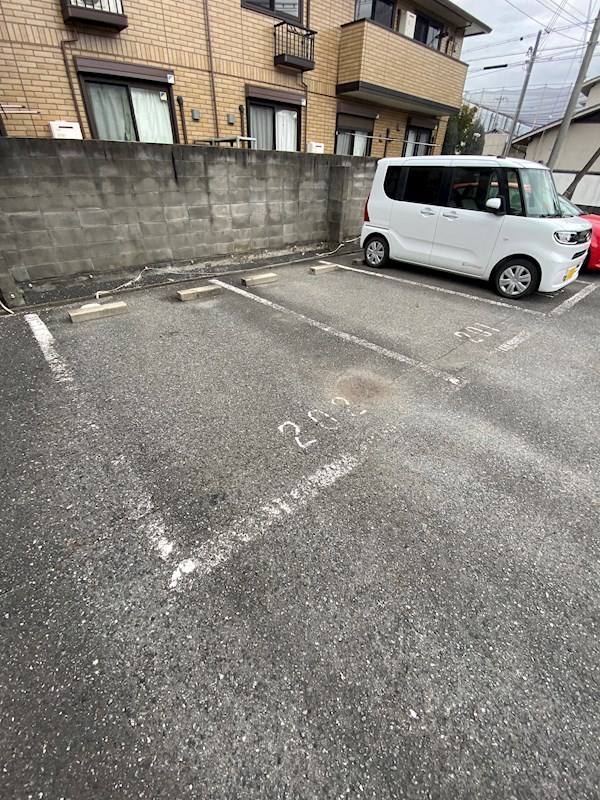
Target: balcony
(105,13)
(294,47)
(385,68)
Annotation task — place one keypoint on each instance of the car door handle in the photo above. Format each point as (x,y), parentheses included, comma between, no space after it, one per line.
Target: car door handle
(427,212)
(451,215)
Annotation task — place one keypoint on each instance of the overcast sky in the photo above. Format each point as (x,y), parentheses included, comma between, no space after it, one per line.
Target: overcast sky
(558,60)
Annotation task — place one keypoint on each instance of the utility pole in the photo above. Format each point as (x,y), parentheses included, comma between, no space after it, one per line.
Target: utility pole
(564,127)
(508,144)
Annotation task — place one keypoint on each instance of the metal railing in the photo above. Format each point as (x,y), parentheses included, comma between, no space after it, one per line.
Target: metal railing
(294,40)
(108,6)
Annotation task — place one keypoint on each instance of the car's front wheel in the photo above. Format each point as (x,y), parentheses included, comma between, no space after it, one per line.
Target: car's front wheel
(516,278)
(377,252)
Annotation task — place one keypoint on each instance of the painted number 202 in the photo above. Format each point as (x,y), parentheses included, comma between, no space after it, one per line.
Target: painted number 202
(319,418)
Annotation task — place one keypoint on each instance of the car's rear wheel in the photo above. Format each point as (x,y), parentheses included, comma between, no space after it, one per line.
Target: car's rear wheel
(516,278)
(377,252)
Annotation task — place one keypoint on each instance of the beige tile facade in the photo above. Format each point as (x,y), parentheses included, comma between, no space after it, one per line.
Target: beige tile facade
(37,49)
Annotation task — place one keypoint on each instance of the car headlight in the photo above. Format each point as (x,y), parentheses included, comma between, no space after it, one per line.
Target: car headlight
(573,237)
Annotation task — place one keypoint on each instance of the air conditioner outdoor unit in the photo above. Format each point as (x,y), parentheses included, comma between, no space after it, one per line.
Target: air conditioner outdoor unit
(65,130)
(316,147)
(408,20)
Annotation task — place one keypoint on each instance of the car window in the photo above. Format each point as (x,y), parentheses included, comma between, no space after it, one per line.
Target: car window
(569,209)
(390,183)
(472,187)
(515,201)
(423,185)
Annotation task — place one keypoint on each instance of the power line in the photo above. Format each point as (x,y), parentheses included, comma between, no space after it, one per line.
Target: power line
(519,38)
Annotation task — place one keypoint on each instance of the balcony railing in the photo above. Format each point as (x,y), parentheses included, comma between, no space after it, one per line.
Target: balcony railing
(107,13)
(294,47)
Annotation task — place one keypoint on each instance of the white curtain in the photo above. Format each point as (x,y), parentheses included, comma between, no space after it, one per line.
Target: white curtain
(360,144)
(261,127)
(112,112)
(286,130)
(411,138)
(343,144)
(152,115)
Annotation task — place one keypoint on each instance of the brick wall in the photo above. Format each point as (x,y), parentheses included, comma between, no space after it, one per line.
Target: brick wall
(171,34)
(73,208)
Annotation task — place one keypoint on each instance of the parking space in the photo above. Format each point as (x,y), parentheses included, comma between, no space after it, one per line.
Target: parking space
(330,536)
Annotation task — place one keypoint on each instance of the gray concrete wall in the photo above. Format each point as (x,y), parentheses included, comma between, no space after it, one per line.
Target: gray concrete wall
(79,207)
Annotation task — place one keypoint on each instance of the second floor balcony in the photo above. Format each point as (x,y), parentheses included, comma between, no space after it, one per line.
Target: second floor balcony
(294,47)
(384,67)
(105,13)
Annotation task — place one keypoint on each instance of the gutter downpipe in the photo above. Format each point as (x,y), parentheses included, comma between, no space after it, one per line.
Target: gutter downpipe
(63,47)
(211,66)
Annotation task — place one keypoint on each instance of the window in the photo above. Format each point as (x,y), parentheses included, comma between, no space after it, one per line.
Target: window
(274,127)
(281,8)
(423,185)
(126,112)
(472,187)
(353,134)
(381,11)
(352,143)
(428,32)
(390,182)
(515,200)
(539,192)
(417,142)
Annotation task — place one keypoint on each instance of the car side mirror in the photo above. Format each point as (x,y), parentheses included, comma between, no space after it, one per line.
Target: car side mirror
(496,205)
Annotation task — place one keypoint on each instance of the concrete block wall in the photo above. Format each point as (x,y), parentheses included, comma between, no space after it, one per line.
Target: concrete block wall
(72,208)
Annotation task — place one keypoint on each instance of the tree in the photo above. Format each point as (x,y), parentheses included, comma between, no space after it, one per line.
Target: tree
(464,134)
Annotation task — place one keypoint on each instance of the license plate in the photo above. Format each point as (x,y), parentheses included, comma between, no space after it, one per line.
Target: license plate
(570,273)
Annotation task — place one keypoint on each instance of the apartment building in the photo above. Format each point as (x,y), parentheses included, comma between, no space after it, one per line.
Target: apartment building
(352,77)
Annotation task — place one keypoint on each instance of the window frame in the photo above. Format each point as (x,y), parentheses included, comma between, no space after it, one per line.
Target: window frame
(428,144)
(276,106)
(352,133)
(371,18)
(270,12)
(431,22)
(85,79)
(366,128)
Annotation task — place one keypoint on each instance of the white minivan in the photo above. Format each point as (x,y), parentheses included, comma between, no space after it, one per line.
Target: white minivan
(497,219)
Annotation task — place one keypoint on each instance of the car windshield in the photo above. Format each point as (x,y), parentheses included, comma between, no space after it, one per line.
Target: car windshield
(541,197)
(569,209)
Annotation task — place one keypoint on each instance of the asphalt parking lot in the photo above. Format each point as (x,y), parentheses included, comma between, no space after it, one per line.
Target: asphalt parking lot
(334,536)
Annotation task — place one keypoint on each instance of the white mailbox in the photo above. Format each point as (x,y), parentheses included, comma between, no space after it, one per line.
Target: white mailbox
(316,147)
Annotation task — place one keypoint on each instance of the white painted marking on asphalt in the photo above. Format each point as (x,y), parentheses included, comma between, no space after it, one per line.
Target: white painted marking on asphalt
(154,528)
(45,340)
(576,298)
(513,343)
(348,337)
(440,289)
(220,548)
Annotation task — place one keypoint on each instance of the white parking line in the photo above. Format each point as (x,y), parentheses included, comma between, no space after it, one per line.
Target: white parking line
(348,337)
(576,298)
(513,343)
(139,503)
(220,548)
(44,338)
(485,300)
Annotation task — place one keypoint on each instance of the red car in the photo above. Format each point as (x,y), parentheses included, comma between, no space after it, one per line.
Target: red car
(569,209)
